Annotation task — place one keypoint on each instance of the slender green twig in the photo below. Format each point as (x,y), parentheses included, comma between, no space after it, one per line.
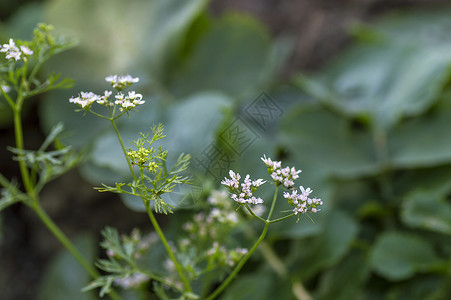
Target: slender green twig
(160,233)
(240,265)
(152,218)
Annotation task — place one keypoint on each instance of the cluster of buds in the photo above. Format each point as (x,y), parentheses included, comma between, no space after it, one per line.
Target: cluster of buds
(14,52)
(243,193)
(141,157)
(124,101)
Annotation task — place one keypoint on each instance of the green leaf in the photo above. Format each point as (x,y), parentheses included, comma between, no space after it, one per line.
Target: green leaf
(383,83)
(317,253)
(412,144)
(231,57)
(64,277)
(346,279)
(398,256)
(262,285)
(145,32)
(324,144)
(427,211)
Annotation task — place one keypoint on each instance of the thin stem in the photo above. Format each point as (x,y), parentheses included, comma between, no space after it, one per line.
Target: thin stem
(253,214)
(48,222)
(240,265)
(123,148)
(20,146)
(56,231)
(152,218)
(160,233)
(282,218)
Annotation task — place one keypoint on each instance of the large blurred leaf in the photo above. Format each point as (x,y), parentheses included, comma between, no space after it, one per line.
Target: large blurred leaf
(326,248)
(326,144)
(262,285)
(232,57)
(65,277)
(346,279)
(398,256)
(432,27)
(383,83)
(423,141)
(124,34)
(427,210)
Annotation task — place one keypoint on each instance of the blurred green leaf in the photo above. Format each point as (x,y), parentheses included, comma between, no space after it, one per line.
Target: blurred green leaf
(326,248)
(123,35)
(398,256)
(346,280)
(428,211)
(419,288)
(262,285)
(423,141)
(65,277)
(382,83)
(232,57)
(326,144)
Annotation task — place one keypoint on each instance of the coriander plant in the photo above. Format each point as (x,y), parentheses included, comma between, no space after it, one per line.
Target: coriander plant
(199,260)
(202,256)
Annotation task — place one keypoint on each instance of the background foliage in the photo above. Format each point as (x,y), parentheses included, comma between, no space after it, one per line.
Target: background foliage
(369,131)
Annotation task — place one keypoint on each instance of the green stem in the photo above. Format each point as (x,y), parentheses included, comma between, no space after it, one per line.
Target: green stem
(160,233)
(240,265)
(20,146)
(123,148)
(35,204)
(152,218)
(56,231)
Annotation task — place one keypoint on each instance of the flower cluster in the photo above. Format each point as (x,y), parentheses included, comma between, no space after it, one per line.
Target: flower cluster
(301,201)
(121,82)
(285,176)
(12,51)
(223,256)
(242,193)
(128,101)
(86,99)
(124,101)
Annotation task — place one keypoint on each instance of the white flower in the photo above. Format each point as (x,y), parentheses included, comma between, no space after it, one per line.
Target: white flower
(26,50)
(121,82)
(12,51)
(85,99)
(5,88)
(285,176)
(301,201)
(132,281)
(245,194)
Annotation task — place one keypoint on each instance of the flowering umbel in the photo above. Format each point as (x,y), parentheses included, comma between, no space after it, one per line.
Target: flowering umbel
(125,101)
(242,193)
(300,200)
